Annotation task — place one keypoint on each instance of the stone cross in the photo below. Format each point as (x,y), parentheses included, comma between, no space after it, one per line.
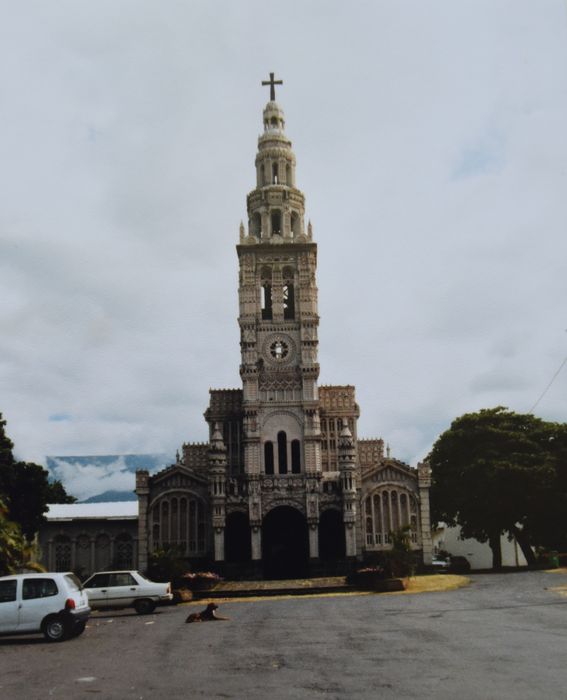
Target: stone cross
(272,83)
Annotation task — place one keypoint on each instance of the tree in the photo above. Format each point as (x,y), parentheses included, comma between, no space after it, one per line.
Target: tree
(25,488)
(15,552)
(56,493)
(498,472)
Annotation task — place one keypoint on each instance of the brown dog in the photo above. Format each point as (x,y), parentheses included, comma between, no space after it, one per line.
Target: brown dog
(205,615)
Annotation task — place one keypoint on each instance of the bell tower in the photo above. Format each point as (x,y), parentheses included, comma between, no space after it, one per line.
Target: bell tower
(278,315)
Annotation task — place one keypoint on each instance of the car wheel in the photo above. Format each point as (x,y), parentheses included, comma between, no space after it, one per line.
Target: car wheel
(55,629)
(79,628)
(144,606)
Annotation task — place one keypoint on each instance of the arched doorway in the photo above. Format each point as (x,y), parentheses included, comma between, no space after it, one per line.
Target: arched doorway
(331,535)
(285,544)
(237,547)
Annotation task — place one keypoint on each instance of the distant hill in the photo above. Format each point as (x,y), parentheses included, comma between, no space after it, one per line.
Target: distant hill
(108,496)
(96,478)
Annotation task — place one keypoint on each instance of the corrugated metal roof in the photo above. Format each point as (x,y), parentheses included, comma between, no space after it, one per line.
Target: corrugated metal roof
(126,510)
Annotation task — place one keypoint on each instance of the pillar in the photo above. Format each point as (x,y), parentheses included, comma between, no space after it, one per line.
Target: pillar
(424,481)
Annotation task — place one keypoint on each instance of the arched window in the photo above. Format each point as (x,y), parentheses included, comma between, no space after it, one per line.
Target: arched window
(282,452)
(62,553)
(266,293)
(269,457)
(102,552)
(256,225)
(288,293)
(386,511)
(295,456)
(276,219)
(288,301)
(165,524)
(124,551)
(275,172)
(295,224)
(395,511)
(266,302)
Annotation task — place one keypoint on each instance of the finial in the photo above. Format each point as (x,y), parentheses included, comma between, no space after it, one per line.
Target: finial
(272,83)
(241,231)
(309,230)
(177,456)
(387,450)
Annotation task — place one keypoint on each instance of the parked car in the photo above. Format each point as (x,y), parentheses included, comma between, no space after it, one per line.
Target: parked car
(52,603)
(459,565)
(126,589)
(440,565)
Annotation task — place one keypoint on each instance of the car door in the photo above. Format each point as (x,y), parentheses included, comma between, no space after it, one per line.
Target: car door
(9,608)
(39,599)
(122,590)
(97,590)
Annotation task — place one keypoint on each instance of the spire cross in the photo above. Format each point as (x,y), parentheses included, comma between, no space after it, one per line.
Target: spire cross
(272,83)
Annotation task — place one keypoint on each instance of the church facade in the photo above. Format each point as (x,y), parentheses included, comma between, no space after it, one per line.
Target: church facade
(284,487)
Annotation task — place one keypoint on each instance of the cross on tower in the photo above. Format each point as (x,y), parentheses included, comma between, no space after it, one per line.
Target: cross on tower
(272,83)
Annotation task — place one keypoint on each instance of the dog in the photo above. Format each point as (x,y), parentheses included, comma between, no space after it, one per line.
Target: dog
(206,615)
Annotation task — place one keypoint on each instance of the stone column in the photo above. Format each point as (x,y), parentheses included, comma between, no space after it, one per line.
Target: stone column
(313,540)
(256,542)
(143,492)
(217,489)
(347,469)
(219,544)
(424,481)
(255,516)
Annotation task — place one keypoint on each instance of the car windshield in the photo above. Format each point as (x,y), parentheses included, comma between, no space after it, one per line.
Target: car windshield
(74,583)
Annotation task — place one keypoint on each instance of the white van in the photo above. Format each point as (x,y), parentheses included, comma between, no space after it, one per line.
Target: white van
(52,603)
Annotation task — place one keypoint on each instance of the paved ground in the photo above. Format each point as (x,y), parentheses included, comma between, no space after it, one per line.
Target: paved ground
(502,637)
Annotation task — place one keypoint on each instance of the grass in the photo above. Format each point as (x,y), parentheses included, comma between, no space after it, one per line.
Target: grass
(416,584)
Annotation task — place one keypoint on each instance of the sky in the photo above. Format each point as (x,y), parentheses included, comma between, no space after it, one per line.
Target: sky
(431,146)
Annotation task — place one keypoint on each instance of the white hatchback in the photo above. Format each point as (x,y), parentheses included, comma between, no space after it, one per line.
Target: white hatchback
(52,603)
(126,589)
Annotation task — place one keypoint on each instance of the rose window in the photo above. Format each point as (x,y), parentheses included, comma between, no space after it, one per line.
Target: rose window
(279,350)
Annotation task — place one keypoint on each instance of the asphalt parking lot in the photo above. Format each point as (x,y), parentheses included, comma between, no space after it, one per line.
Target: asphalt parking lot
(504,636)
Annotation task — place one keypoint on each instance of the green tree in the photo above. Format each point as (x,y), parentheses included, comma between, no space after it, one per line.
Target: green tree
(16,553)
(56,493)
(25,488)
(498,472)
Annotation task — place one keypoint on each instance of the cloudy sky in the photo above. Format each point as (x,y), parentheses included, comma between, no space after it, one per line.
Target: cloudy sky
(431,146)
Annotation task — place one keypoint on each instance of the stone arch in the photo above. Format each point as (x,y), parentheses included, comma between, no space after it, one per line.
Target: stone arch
(237,542)
(82,553)
(332,544)
(62,552)
(124,551)
(285,543)
(103,551)
(178,519)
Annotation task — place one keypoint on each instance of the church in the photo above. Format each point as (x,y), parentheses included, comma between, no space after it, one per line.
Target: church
(284,487)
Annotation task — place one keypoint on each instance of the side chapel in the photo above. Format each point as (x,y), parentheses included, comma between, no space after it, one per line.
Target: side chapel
(284,487)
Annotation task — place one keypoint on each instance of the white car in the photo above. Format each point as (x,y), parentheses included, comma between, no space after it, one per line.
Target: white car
(52,603)
(126,589)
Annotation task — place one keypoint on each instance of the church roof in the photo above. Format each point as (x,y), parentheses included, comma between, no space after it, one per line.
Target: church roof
(111,510)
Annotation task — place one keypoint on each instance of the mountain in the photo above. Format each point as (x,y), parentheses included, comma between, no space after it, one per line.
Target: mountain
(95,478)
(108,496)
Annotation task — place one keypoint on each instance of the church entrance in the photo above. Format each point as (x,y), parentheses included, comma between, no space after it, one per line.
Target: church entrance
(285,544)
(237,538)
(331,536)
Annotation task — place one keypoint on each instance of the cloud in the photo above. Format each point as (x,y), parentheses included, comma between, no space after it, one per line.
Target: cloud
(430,146)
